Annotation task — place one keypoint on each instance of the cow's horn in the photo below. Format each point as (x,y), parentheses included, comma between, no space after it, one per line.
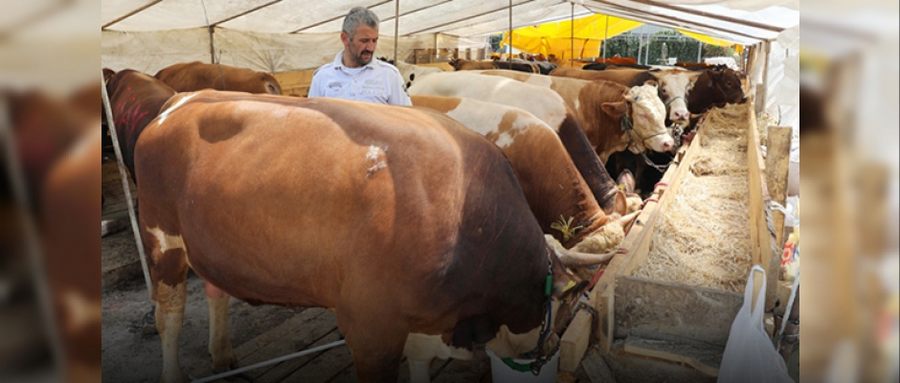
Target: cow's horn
(572,258)
(627,218)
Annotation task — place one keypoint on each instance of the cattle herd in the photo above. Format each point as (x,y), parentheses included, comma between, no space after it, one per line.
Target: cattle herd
(447,218)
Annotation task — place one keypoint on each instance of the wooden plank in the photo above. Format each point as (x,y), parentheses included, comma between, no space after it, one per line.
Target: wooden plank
(574,343)
(321,367)
(245,352)
(596,368)
(629,367)
(760,241)
(778,150)
(311,332)
(670,311)
(295,83)
(703,359)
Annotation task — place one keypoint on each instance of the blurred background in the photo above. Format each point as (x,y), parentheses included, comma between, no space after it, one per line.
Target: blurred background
(50,191)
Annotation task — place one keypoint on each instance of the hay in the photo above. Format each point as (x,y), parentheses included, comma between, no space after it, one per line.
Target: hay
(703,237)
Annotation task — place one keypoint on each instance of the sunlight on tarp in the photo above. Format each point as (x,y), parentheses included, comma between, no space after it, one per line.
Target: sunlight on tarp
(554,38)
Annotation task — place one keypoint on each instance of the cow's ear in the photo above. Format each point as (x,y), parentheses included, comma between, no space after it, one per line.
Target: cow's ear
(614,109)
(652,82)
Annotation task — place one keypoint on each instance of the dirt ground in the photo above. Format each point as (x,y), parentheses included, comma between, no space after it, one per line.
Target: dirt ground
(131,347)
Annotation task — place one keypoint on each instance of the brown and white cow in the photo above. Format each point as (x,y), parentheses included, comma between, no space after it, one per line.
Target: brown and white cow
(136,99)
(545,104)
(551,182)
(192,76)
(399,219)
(605,110)
(674,85)
(411,72)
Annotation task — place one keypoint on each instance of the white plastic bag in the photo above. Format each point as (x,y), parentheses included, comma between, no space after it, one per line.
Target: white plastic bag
(749,355)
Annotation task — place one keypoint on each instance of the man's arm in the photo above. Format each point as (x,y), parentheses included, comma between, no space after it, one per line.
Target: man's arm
(315,86)
(398,94)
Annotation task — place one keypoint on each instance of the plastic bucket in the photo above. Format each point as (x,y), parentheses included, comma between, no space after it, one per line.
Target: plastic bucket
(501,373)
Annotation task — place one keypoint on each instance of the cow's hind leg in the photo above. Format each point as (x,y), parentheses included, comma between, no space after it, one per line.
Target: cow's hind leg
(219,339)
(375,338)
(170,300)
(168,273)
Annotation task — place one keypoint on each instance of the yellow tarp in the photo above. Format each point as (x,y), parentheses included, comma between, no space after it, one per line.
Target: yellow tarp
(553,38)
(712,40)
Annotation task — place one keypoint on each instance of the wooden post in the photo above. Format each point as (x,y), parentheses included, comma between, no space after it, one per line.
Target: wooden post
(778,150)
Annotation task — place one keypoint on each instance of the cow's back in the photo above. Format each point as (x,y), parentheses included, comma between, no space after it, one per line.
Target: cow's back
(622,76)
(350,201)
(194,76)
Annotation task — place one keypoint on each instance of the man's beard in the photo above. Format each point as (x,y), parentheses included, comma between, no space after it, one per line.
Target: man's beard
(362,61)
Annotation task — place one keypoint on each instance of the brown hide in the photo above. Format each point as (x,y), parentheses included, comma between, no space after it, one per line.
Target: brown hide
(586,98)
(398,218)
(460,64)
(715,87)
(545,104)
(44,127)
(71,242)
(193,76)
(136,99)
(622,76)
(551,182)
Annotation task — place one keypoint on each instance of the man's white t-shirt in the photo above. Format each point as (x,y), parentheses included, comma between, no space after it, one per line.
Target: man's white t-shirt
(377,82)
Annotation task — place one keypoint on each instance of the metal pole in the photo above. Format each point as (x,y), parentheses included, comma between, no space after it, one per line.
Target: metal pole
(127,188)
(640,47)
(572,34)
(647,54)
(396,27)
(270,362)
(509,56)
(212,46)
(699,51)
(605,35)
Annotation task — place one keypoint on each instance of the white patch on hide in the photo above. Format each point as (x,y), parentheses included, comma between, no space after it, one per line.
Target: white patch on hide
(79,311)
(543,102)
(166,241)
(426,347)
(478,116)
(540,80)
(376,158)
(165,114)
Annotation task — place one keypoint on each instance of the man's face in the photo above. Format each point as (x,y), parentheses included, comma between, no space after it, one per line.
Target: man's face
(361,47)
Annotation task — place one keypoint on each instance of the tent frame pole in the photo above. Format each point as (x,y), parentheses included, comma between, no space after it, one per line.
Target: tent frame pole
(509,11)
(699,51)
(605,35)
(572,34)
(396,27)
(123,174)
(212,44)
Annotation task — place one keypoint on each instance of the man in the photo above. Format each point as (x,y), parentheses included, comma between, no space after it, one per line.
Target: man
(354,74)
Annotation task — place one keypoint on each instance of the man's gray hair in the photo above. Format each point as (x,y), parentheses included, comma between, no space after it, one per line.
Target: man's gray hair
(356,16)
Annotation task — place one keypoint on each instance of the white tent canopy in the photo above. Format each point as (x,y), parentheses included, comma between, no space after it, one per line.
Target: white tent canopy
(298,34)
(283,35)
